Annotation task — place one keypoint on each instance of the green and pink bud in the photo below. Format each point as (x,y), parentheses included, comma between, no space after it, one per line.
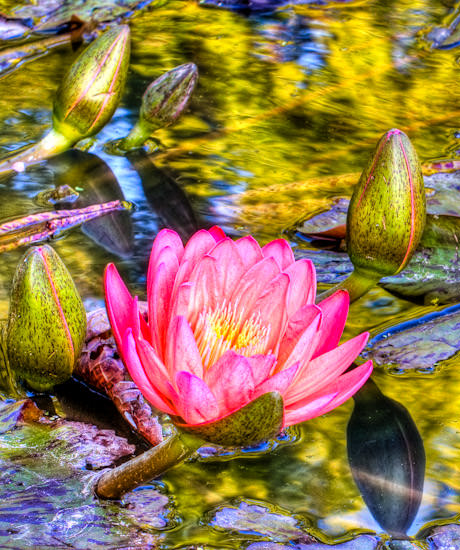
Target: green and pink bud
(386,216)
(387,211)
(162,103)
(47,321)
(86,100)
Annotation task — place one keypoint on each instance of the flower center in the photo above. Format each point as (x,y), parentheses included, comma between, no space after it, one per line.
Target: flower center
(222,329)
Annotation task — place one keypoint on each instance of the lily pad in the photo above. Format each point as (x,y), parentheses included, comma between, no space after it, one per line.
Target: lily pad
(419,345)
(259,520)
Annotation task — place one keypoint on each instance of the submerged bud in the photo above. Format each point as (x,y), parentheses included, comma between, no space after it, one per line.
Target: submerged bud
(387,211)
(91,90)
(46,322)
(162,103)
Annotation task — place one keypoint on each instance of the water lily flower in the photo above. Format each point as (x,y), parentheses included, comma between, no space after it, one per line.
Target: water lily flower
(229,321)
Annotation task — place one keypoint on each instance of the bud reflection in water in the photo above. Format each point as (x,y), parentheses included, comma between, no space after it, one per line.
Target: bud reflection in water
(96,183)
(387,459)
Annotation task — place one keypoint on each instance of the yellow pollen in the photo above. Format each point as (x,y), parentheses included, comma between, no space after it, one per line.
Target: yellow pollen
(224,329)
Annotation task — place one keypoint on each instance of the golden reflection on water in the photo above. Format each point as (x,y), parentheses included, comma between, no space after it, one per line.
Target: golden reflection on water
(288,107)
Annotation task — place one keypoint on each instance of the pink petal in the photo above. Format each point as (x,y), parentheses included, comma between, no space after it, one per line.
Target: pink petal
(271,305)
(349,383)
(261,366)
(166,238)
(198,245)
(195,401)
(323,370)
(300,337)
(335,311)
(302,289)
(137,373)
(340,390)
(253,285)
(217,233)
(159,294)
(154,368)
(308,411)
(138,324)
(231,382)
(181,350)
(280,251)
(118,303)
(249,251)
(230,266)
(278,382)
(204,289)
(180,305)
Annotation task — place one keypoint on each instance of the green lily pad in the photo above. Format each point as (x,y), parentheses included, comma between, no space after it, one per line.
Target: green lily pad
(419,345)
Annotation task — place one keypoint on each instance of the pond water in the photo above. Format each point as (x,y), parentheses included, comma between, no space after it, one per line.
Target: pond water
(287,97)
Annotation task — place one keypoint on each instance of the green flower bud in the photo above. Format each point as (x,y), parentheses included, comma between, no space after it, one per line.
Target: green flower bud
(162,103)
(47,321)
(387,211)
(92,88)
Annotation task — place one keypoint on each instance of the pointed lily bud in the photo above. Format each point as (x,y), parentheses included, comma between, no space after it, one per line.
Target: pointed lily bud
(386,216)
(46,323)
(162,103)
(92,88)
(387,211)
(86,100)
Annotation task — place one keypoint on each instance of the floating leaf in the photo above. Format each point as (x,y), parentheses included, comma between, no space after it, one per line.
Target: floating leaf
(420,345)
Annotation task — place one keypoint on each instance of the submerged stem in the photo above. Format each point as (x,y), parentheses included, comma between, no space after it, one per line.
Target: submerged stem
(114,483)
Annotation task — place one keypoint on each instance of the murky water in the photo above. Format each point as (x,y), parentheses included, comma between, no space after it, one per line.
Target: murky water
(285,97)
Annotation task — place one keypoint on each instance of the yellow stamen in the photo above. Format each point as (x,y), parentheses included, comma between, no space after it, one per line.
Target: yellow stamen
(223,329)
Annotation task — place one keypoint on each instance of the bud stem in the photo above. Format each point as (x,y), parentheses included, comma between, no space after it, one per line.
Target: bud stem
(356,284)
(113,484)
(135,139)
(52,144)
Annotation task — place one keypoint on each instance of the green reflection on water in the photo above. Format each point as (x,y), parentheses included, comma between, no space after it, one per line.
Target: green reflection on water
(284,101)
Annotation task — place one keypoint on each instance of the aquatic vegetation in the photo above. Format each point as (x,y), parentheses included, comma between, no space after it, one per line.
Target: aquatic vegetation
(46,322)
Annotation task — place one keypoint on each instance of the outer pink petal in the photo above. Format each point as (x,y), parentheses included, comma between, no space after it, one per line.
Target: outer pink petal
(137,373)
(326,368)
(349,383)
(309,410)
(300,336)
(333,395)
(262,366)
(302,289)
(180,305)
(118,303)
(195,401)
(278,382)
(166,238)
(181,350)
(335,311)
(217,233)
(154,369)
(230,266)
(280,251)
(231,381)
(249,251)
(159,295)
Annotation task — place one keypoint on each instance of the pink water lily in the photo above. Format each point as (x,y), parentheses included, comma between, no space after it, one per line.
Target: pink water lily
(229,321)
